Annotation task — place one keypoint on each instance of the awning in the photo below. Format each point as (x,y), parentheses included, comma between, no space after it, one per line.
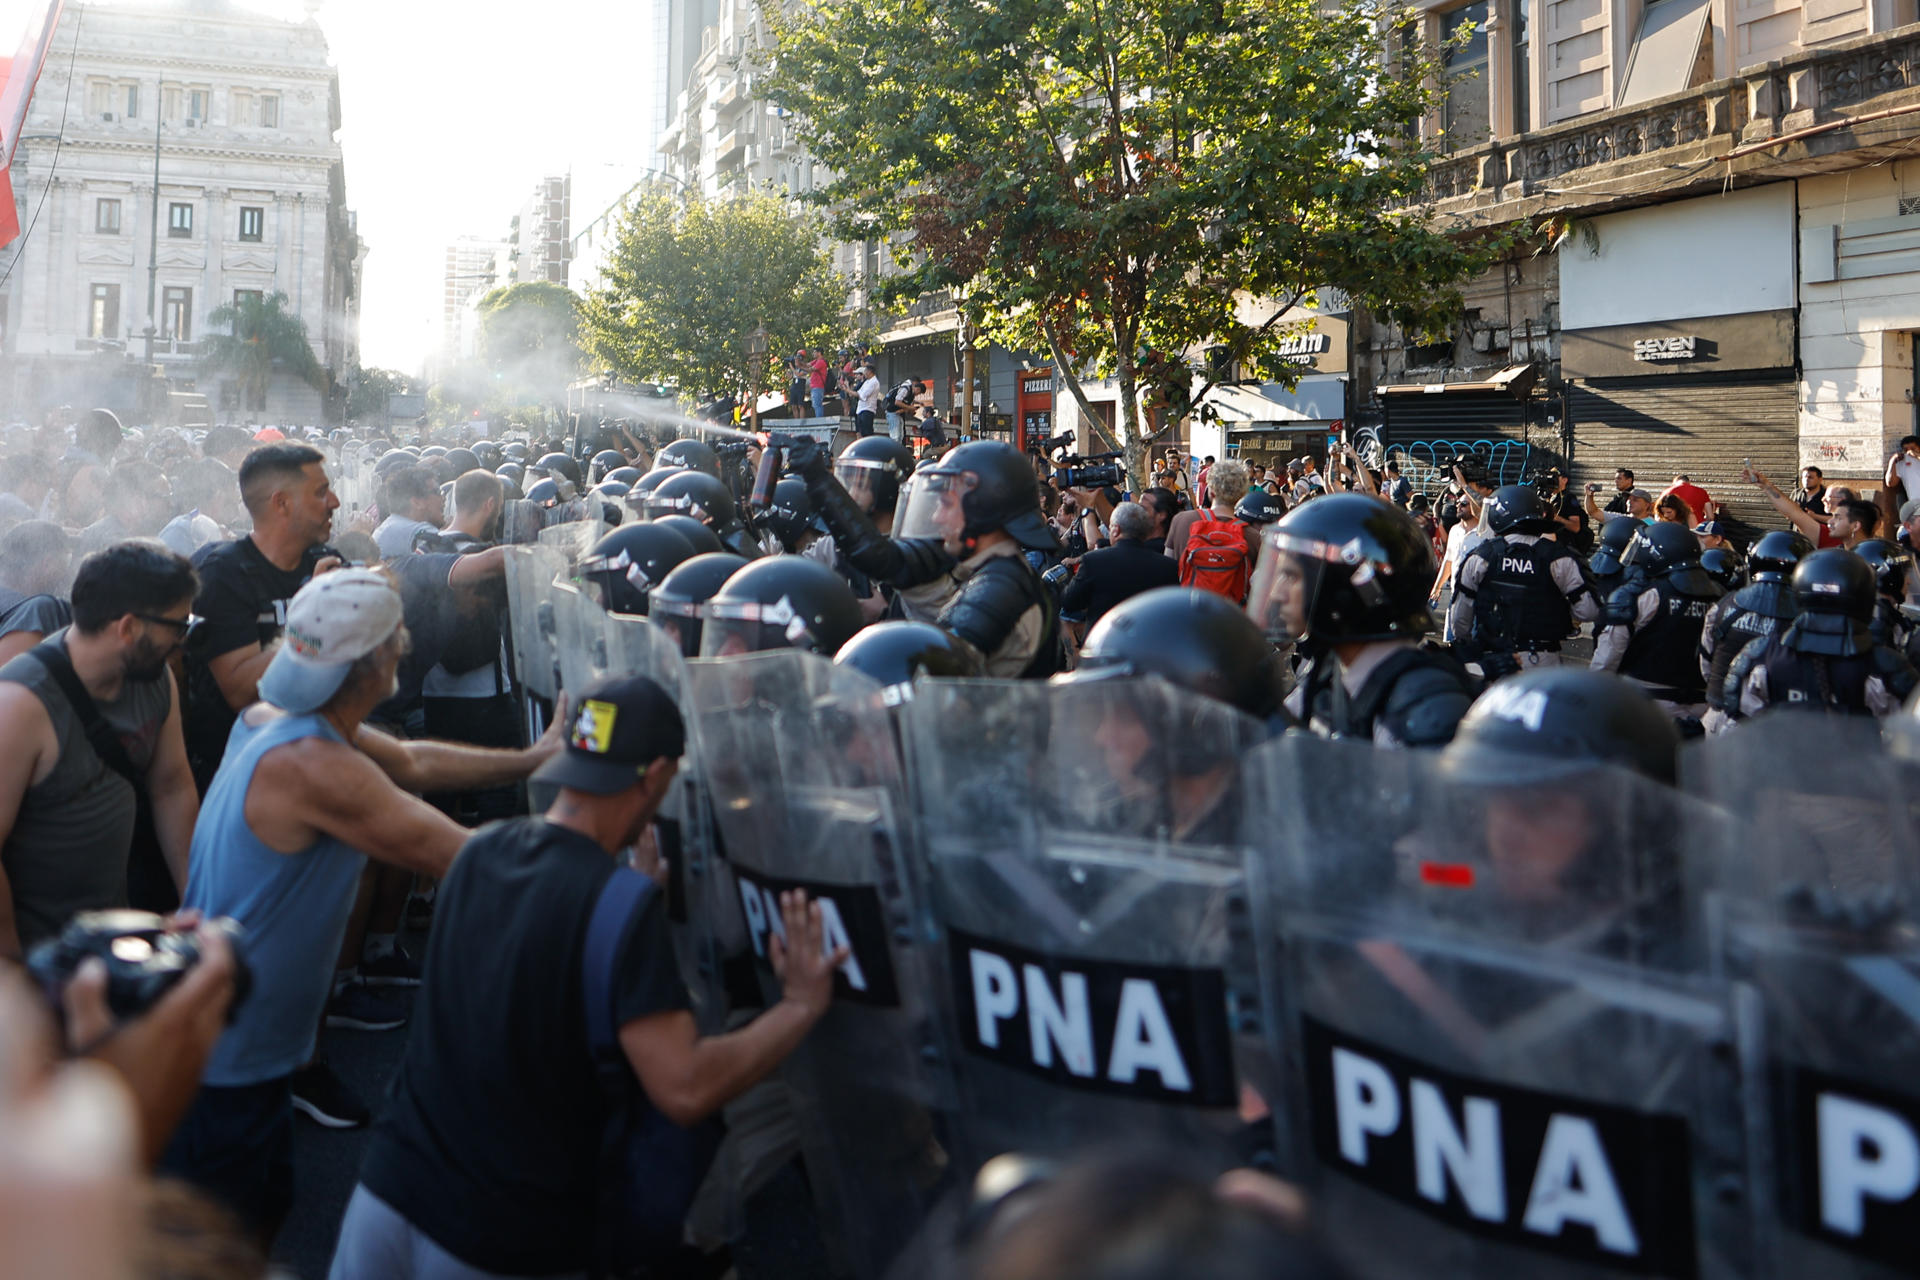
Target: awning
(1516,380)
(1313,401)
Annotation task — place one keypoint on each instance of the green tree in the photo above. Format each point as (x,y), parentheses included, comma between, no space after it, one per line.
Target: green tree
(371,387)
(690,279)
(530,341)
(1115,181)
(260,336)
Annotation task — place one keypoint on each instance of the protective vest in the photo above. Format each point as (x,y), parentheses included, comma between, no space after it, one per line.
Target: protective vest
(1662,653)
(1817,681)
(1758,609)
(1517,605)
(1419,694)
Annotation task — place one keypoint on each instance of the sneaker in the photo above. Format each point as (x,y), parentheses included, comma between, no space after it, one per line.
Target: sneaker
(323,1098)
(394,969)
(357,1008)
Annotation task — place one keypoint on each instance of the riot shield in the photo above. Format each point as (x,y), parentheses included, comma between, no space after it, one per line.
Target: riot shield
(579,637)
(800,759)
(530,571)
(1082,873)
(1499,1062)
(1814,911)
(573,538)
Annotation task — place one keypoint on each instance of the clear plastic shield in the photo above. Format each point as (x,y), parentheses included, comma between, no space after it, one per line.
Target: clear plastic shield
(573,538)
(530,571)
(579,638)
(1813,905)
(801,761)
(1084,874)
(1499,1060)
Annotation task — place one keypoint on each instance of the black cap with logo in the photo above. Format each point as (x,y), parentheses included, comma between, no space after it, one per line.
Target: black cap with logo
(620,726)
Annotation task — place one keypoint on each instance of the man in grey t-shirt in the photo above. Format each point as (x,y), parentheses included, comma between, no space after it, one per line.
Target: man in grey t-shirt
(66,815)
(35,557)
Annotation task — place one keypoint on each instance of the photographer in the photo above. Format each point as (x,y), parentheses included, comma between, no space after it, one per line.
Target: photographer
(958,558)
(1107,577)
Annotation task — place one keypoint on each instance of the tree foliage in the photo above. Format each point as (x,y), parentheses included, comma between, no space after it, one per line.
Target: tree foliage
(690,279)
(1110,181)
(261,335)
(371,387)
(530,340)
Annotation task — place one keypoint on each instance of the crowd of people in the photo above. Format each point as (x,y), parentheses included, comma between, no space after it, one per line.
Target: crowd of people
(228,699)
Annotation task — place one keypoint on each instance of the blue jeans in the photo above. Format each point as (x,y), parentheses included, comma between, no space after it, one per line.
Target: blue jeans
(236,1143)
(893,425)
(819,395)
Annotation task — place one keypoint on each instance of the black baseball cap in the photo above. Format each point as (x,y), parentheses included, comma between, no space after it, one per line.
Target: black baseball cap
(620,726)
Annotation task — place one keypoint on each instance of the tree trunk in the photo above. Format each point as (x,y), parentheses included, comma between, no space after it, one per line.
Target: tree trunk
(1126,427)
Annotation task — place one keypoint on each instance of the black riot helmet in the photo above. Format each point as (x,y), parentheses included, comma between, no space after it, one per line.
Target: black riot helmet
(433,451)
(702,539)
(515,451)
(1346,567)
(678,603)
(790,514)
(1554,721)
(624,474)
(558,464)
(1661,547)
(509,487)
(1614,537)
(979,488)
(462,461)
(1259,508)
(1774,556)
(612,492)
(602,463)
(627,564)
(653,479)
(895,653)
(489,455)
(784,602)
(871,470)
(1724,567)
(393,458)
(692,493)
(1892,564)
(1835,582)
(1198,640)
(512,472)
(1517,508)
(690,454)
(548,492)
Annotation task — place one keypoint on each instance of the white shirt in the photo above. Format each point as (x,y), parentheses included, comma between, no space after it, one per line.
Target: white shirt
(1908,469)
(1461,540)
(870,395)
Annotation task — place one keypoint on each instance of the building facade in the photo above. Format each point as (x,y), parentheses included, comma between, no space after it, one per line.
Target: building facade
(250,198)
(1720,271)
(539,244)
(471,267)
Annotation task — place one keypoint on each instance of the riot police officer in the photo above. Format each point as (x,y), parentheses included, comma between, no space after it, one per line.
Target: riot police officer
(871,470)
(1827,659)
(1892,565)
(706,499)
(1650,630)
(1518,595)
(957,558)
(624,567)
(1604,565)
(1346,577)
(895,654)
(1198,640)
(677,603)
(787,525)
(1763,607)
(780,602)
(689,454)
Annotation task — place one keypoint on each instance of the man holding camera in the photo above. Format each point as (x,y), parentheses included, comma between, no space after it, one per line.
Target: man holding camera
(305,794)
(89,715)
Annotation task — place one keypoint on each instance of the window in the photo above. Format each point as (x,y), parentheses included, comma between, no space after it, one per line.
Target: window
(269,111)
(197,104)
(180,221)
(243,107)
(100,97)
(103,311)
(170,103)
(1670,51)
(132,101)
(253,222)
(1463,62)
(176,314)
(106,217)
(1522,77)
(241,297)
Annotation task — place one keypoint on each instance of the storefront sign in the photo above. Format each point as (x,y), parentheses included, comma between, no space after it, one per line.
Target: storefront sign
(1676,348)
(1041,385)
(1305,348)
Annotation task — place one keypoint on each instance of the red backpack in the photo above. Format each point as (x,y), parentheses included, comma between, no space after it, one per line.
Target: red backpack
(1216,558)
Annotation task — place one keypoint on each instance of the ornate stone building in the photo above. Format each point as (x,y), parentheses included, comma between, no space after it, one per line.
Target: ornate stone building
(250,198)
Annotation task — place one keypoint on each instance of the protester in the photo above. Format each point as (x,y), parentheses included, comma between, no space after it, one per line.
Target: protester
(1108,576)
(35,558)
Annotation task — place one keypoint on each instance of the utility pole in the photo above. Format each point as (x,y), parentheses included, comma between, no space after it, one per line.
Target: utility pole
(153,241)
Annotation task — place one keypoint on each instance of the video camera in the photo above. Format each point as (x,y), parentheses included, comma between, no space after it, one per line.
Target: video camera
(1092,471)
(1470,465)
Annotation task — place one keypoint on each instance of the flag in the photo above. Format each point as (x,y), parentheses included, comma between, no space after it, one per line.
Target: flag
(36,20)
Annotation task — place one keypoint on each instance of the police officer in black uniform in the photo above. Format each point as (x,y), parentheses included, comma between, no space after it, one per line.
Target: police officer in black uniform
(1892,565)
(1346,577)
(1518,595)
(871,470)
(1827,659)
(1763,607)
(623,568)
(1604,565)
(1198,640)
(958,558)
(1650,631)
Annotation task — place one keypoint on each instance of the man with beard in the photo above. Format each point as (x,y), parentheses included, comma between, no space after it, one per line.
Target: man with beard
(88,715)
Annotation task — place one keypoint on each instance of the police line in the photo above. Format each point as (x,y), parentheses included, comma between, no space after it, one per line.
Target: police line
(1552,1024)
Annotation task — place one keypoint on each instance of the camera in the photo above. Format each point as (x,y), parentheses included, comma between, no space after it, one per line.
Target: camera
(1058,575)
(1092,471)
(144,959)
(1470,465)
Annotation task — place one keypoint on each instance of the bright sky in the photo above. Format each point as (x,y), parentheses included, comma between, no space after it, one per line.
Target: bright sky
(452,109)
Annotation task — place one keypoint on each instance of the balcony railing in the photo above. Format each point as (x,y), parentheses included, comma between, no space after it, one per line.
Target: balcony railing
(1675,140)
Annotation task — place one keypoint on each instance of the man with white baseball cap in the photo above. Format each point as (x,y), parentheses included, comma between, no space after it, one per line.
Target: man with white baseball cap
(304,794)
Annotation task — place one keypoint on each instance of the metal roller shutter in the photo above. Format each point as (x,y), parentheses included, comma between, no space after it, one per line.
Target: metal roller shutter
(1700,426)
(1429,428)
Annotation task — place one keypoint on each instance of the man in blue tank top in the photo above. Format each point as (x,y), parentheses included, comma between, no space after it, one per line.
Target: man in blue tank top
(304,794)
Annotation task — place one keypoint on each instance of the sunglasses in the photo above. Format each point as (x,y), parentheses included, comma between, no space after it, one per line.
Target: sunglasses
(188,627)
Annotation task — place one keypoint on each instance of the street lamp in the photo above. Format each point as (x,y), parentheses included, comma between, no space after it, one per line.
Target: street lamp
(153,236)
(759,344)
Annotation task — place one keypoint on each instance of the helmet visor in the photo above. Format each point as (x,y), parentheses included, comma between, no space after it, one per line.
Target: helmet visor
(657,504)
(748,626)
(681,620)
(863,478)
(600,576)
(935,507)
(1287,583)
